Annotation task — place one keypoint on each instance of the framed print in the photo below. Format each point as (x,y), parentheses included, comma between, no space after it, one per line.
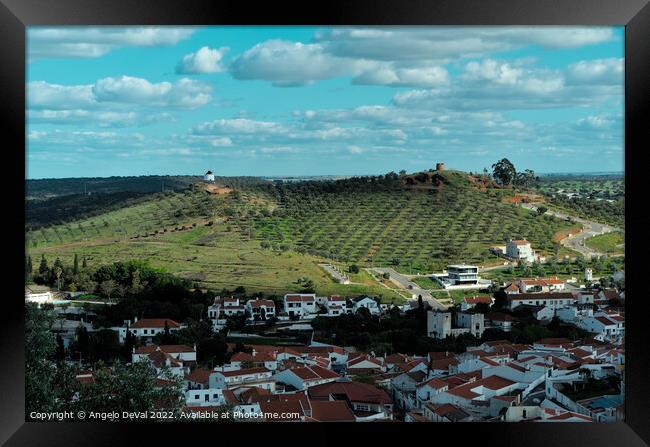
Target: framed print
(242,218)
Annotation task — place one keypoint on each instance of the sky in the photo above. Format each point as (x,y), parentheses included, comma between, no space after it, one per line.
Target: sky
(286,101)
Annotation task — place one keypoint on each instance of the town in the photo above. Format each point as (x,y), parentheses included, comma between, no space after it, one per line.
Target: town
(491,376)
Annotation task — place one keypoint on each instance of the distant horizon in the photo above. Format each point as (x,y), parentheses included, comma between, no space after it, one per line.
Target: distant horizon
(321,175)
(125,101)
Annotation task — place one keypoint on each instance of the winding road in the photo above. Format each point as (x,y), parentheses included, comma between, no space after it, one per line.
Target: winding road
(576,241)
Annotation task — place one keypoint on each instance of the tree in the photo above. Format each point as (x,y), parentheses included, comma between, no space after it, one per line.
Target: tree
(75,265)
(353,268)
(108,287)
(60,348)
(504,171)
(28,269)
(541,210)
(43,268)
(84,264)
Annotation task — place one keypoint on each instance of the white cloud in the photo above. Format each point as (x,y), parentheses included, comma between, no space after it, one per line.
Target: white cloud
(288,64)
(598,71)
(90,42)
(205,60)
(355,149)
(41,94)
(446,43)
(184,93)
(221,142)
(238,126)
(404,77)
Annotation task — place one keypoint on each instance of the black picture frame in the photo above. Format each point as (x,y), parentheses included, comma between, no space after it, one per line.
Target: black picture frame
(16,15)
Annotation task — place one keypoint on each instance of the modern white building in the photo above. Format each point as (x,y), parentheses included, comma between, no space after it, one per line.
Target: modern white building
(555,300)
(520,250)
(461,274)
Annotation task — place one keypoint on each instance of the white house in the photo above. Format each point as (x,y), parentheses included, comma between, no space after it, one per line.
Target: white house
(335,305)
(555,300)
(183,353)
(208,177)
(204,397)
(261,309)
(610,326)
(521,250)
(303,377)
(300,304)
(531,285)
(146,327)
(261,377)
(366,302)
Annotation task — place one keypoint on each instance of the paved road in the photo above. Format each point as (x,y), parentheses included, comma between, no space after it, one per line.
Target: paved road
(577,241)
(411,287)
(343,279)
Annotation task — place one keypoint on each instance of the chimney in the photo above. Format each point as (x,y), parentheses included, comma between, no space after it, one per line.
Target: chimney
(135,319)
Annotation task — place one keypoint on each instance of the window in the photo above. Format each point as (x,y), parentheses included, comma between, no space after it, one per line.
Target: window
(196,396)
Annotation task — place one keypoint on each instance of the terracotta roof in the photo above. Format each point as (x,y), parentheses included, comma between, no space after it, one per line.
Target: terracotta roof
(448,411)
(298,297)
(331,411)
(353,391)
(434,383)
(336,298)
(362,359)
(314,372)
(154,323)
(160,358)
(396,358)
(176,348)
(259,303)
(478,299)
(492,383)
(199,375)
(520,242)
(287,407)
(569,415)
(516,367)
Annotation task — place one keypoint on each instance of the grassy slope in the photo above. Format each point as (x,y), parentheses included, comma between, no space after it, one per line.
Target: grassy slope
(413,225)
(611,243)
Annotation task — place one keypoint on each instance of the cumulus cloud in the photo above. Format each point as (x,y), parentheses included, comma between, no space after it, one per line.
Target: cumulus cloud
(404,77)
(445,43)
(205,60)
(238,126)
(90,42)
(184,93)
(598,71)
(287,64)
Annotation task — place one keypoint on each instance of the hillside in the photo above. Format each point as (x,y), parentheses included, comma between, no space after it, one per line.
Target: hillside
(266,235)
(412,221)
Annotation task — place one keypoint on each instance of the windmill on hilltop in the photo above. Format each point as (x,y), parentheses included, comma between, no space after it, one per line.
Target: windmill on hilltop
(208,177)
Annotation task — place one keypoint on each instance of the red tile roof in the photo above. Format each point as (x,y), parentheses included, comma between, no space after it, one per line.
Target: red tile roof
(259,303)
(331,411)
(314,372)
(199,375)
(353,391)
(154,323)
(478,299)
(492,383)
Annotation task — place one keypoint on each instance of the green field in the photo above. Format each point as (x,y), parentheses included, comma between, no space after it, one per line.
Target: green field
(266,236)
(609,243)
(416,229)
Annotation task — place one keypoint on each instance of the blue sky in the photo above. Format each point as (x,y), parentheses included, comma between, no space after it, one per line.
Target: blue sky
(272,101)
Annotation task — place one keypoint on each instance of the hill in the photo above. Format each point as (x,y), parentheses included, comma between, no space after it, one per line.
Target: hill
(266,235)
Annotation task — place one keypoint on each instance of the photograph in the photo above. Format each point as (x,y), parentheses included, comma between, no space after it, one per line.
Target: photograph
(343,223)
